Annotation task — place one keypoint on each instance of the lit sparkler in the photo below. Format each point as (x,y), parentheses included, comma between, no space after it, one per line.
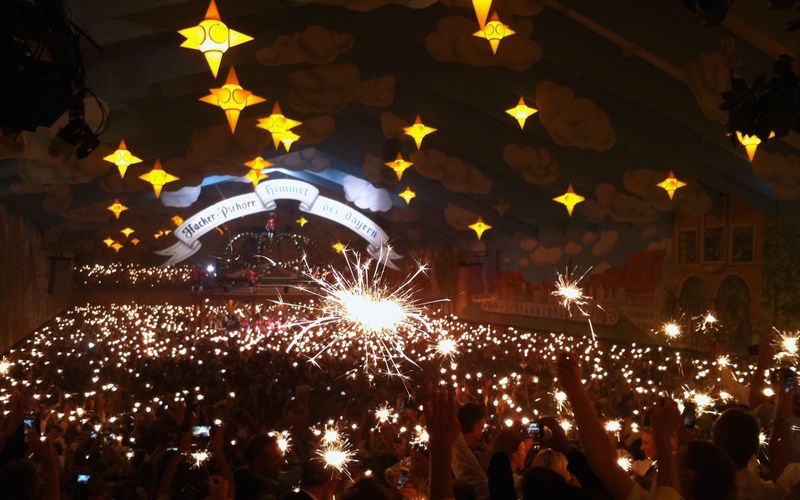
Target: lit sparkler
(671,330)
(283,439)
(358,306)
(788,346)
(569,294)
(446,347)
(199,458)
(708,322)
(384,414)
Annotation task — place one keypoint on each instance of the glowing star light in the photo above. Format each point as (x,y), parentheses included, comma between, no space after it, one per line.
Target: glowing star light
(122,158)
(479,227)
(339,246)
(127,231)
(212,37)
(671,184)
(116,208)
(569,199)
(407,195)
(302,221)
(232,98)
(418,131)
(521,112)
(399,165)
(109,241)
(494,31)
(279,127)
(177,220)
(751,143)
(117,246)
(255,177)
(158,177)
(135,241)
(481,8)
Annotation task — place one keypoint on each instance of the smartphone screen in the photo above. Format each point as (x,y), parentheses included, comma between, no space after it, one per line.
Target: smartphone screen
(689,415)
(789,381)
(201,431)
(535,430)
(83,478)
(402,480)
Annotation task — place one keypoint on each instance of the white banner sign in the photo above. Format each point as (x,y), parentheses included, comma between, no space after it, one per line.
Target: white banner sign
(263,200)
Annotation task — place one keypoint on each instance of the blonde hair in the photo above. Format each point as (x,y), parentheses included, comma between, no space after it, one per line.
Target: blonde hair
(553,460)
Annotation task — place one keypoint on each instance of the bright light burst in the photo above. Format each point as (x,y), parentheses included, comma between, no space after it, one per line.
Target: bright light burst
(358,307)
(283,439)
(335,450)
(570,294)
(199,458)
(788,346)
(671,330)
(4,366)
(384,414)
(625,463)
(421,437)
(613,426)
(446,347)
(708,322)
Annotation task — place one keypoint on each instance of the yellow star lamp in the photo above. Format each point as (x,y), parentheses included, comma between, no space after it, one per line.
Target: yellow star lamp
(569,199)
(479,227)
(122,158)
(481,8)
(418,131)
(135,241)
(127,231)
(521,112)
(177,220)
(279,126)
(109,241)
(232,98)
(751,143)
(494,31)
(117,246)
(158,177)
(407,195)
(671,184)
(302,221)
(339,246)
(399,165)
(212,37)
(116,208)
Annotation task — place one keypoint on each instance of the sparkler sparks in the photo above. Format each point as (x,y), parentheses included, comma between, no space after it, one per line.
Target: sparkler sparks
(671,330)
(358,307)
(283,439)
(569,294)
(708,322)
(446,347)
(199,458)
(384,414)
(788,346)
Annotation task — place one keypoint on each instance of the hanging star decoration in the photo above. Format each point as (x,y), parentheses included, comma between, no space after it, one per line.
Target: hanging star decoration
(399,165)
(109,241)
(407,195)
(135,241)
(494,31)
(280,127)
(116,246)
(302,221)
(521,112)
(256,166)
(232,98)
(671,184)
(116,208)
(481,8)
(479,227)
(339,246)
(212,37)
(569,199)
(177,220)
(751,143)
(122,158)
(418,131)
(158,177)
(501,207)
(127,231)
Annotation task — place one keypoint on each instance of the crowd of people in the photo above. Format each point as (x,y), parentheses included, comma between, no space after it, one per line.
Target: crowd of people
(220,401)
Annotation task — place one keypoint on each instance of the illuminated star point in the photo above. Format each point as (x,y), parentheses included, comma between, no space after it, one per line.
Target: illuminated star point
(232,98)
(109,241)
(212,37)
(671,184)
(481,8)
(750,143)
(158,177)
(407,195)
(521,112)
(177,220)
(494,31)
(569,199)
(279,126)
(122,158)
(127,231)
(116,208)
(339,246)
(399,165)
(302,221)
(255,177)
(418,131)
(117,246)
(479,226)
(135,241)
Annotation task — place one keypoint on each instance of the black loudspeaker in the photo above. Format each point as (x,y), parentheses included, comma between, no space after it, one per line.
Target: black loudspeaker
(59,279)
